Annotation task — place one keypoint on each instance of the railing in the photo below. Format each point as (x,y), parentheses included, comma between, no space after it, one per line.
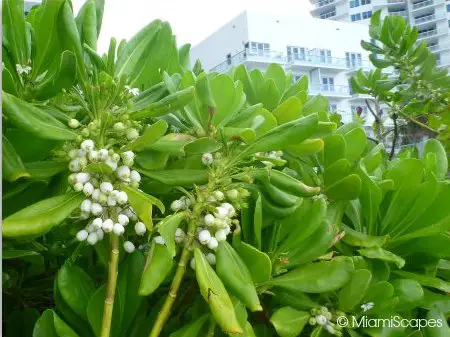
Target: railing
(427,34)
(327,15)
(322,3)
(395,1)
(399,13)
(422,4)
(318,60)
(329,89)
(423,19)
(439,46)
(365,65)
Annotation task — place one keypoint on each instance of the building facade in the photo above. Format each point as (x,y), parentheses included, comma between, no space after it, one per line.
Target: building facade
(327,52)
(431,17)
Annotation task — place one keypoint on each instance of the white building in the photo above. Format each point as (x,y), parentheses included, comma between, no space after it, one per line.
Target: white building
(431,17)
(327,52)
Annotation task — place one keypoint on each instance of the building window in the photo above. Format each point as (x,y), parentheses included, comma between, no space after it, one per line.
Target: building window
(365,2)
(328,14)
(260,49)
(366,15)
(296,53)
(448,8)
(354,3)
(332,107)
(356,17)
(359,110)
(325,55)
(297,77)
(327,83)
(354,60)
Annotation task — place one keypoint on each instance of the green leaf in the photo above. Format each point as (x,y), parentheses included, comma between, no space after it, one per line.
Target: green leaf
(42,170)
(167,228)
(193,329)
(381,254)
(441,328)
(76,288)
(40,217)
(334,149)
(409,293)
(358,239)
(354,291)
(12,165)
(151,135)
(95,306)
(317,277)
(269,95)
(98,168)
(30,118)
(258,263)
(379,63)
(289,110)
(157,267)
(62,328)
(289,322)
(178,177)
(425,281)
(434,146)
(355,139)
(45,326)
(202,145)
(345,189)
(14,30)
(315,104)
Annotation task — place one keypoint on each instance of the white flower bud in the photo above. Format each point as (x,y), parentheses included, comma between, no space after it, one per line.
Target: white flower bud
(229,208)
(107,225)
(221,213)
(130,214)
(232,194)
(209,219)
(176,205)
(115,157)
(192,263)
(159,240)
(128,246)
(97,223)
(128,155)
(207,158)
(132,134)
(102,154)
(220,235)
(83,161)
(86,206)
(92,238)
(118,229)
(212,244)
(106,187)
(140,228)
(180,235)
(111,201)
(103,199)
(204,236)
(111,163)
(211,258)
(82,235)
(72,179)
(88,189)
(74,123)
(78,187)
(135,176)
(74,165)
(186,201)
(93,156)
(119,127)
(95,194)
(81,153)
(87,145)
(219,195)
(100,234)
(321,320)
(123,219)
(96,208)
(122,198)
(226,229)
(123,172)
(83,177)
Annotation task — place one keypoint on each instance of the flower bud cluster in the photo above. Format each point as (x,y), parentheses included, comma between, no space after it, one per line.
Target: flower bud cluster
(106,205)
(322,316)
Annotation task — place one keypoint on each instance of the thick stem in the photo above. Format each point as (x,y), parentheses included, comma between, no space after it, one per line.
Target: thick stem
(170,299)
(111,286)
(394,140)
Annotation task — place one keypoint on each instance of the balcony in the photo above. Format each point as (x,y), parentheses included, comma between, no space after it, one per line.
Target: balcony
(427,3)
(428,34)
(252,59)
(360,64)
(309,62)
(329,90)
(399,13)
(439,47)
(323,3)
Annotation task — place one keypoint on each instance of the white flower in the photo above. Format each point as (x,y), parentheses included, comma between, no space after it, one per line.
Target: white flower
(133,91)
(192,263)
(128,246)
(91,228)
(97,223)
(209,219)
(220,235)
(23,69)
(111,201)
(82,177)
(78,187)
(108,226)
(96,208)
(74,123)
(211,258)
(229,208)
(176,205)
(321,320)
(186,201)
(122,198)
(132,134)
(93,156)
(92,238)
(204,236)
(232,194)
(159,240)
(128,156)
(72,179)
(111,163)
(221,213)
(212,244)
(87,145)
(96,194)
(135,176)
(103,199)
(74,165)
(102,154)
(123,219)
(179,235)
(123,172)
(106,187)
(140,228)
(115,194)
(82,235)
(130,214)
(219,195)
(226,229)
(118,229)
(119,126)
(88,189)
(367,306)
(86,205)
(100,234)
(207,158)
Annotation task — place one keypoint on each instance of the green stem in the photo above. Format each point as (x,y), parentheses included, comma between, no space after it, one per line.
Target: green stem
(111,286)
(417,122)
(179,274)
(211,328)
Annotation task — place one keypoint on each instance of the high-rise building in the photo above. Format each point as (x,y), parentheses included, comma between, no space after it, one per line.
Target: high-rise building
(327,52)
(431,17)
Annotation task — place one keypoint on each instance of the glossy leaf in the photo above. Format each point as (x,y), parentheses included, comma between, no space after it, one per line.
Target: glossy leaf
(381,254)
(158,265)
(12,165)
(289,322)
(167,228)
(353,292)
(150,136)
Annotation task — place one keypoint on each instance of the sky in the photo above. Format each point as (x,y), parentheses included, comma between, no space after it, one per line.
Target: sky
(191,20)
